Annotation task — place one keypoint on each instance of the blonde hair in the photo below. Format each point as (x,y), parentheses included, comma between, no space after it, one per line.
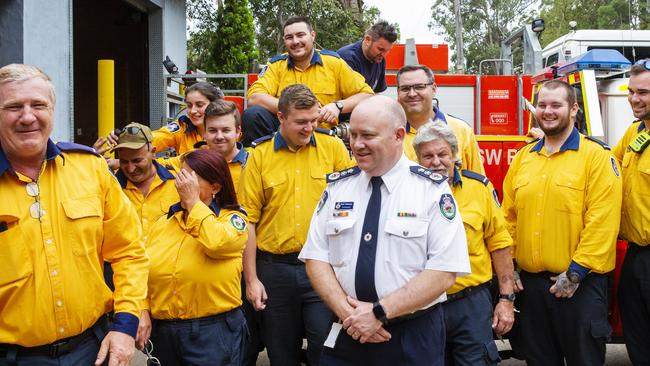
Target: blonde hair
(22,72)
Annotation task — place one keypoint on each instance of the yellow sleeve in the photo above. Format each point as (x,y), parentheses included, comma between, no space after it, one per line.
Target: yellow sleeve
(164,138)
(619,149)
(174,162)
(350,81)
(597,247)
(269,82)
(221,237)
(471,156)
(251,193)
(122,247)
(495,234)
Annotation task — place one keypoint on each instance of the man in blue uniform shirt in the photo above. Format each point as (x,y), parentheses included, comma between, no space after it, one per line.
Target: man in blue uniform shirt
(368,56)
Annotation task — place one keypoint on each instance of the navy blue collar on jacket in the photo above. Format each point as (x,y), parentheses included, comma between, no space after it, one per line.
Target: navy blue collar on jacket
(279,142)
(571,143)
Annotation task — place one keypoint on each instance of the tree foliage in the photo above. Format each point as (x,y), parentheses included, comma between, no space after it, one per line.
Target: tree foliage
(592,14)
(335,25)
(202,17)
(485,24)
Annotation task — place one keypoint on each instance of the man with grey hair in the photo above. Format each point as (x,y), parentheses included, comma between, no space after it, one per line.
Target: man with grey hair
(469,317)
(416,88)
(63,214)
(384,244)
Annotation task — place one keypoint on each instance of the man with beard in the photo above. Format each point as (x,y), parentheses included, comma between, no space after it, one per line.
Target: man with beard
(562,199)
(368,56)
(634,287)
(337,87)
(416,89)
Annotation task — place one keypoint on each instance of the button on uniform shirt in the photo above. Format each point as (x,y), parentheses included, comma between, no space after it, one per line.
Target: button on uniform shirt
(181,135)
(564,207)
(635,214)
(328,77)
(467,144)
(162,194)
(484,224)
(280,188)
(196,263)
(373,73)
(51,270)
(414,235)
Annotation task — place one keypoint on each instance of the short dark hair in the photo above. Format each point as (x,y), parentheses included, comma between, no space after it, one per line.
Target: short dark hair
(560,84)
(409,68)
(206,89)
(298,96)
(382,29)
(294,20)
(640,67)
(211,166)
(220,108)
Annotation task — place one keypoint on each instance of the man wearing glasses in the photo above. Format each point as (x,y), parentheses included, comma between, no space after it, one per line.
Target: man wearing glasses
(62,215)
(416,89)
(634,287)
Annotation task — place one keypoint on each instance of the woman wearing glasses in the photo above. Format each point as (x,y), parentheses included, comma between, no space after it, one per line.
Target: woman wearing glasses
(196,263)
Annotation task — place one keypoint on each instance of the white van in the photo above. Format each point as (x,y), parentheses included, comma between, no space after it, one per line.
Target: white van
(633,44)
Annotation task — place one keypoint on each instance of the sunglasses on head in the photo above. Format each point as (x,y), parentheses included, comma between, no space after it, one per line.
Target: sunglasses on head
(645,63)
(132,130)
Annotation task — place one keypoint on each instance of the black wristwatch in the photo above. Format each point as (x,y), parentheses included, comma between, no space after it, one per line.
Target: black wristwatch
(509,297)
(339,105)
(379,312)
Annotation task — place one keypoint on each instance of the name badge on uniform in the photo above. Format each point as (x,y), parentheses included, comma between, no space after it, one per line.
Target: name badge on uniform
(343,205)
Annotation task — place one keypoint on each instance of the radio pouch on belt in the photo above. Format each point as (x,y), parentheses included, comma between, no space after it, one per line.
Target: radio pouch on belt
(640,142)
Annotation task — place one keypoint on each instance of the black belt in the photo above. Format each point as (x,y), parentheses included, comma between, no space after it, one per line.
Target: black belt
(210,319)
(467,291)
(290,258)
(417,314)
(638,246)
(58,348)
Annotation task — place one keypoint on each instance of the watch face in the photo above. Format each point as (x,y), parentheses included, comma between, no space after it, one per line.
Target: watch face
(339,105)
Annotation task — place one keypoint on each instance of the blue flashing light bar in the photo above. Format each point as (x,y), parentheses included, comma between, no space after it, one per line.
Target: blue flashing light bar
(604,60)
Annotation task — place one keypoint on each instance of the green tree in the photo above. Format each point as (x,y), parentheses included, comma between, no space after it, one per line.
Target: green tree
(334,23)
(485,24)
(202,19)
(601,14)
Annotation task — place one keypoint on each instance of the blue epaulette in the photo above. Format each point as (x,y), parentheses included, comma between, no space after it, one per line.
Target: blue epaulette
(426,173)
(325,131)
(71,146)
(476,176)
(599,142)
(242,210)
(261,139)
(278,58)
(346,173)
(330,53)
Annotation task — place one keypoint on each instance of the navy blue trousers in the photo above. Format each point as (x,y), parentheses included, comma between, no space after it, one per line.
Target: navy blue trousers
(293,311)
(214,340)
(634,300)
(257,122)
(554,330)
(416,342)
(84,354)
(469,330)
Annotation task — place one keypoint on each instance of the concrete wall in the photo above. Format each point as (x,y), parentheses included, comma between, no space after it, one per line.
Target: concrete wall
(47,30)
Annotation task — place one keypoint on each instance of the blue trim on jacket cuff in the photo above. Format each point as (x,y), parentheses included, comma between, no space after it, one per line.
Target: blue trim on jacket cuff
(580,270)
(125,323)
